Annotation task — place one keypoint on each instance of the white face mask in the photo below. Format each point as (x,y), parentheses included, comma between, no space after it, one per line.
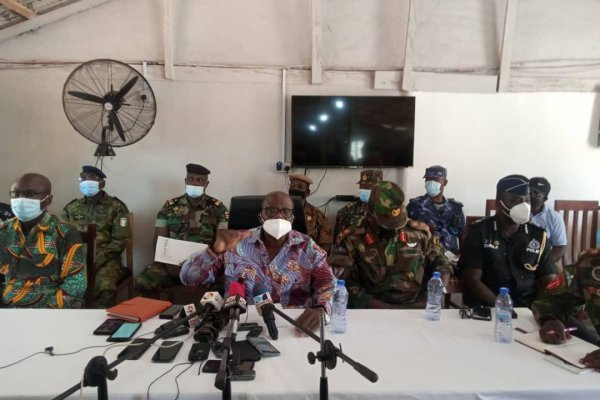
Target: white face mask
(277,227)
(26,209)
(519,213)
(194,191)
(433,188)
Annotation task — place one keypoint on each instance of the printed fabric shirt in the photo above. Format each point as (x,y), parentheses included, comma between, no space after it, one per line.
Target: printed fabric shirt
(111,218)
(46,268)
(298,276)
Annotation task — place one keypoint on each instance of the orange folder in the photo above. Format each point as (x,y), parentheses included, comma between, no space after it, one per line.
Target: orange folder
(138,309)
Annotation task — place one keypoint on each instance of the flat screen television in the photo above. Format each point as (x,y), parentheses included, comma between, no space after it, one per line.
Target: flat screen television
(352,131)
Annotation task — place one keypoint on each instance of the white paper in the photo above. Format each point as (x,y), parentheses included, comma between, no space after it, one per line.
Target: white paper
(173,251)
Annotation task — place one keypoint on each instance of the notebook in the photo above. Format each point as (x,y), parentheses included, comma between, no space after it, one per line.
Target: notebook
(138,309)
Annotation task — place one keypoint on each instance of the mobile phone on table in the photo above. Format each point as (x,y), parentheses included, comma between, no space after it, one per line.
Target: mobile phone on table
(264,347)
(139,346)
(108,327)
(246,326)
(211,366)
(171,312)
(482,313)
(167,351)
(125,332)
(243,371)
(199,351)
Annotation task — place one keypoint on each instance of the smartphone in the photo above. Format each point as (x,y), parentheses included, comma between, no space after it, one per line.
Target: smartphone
(134,347)
(108,327)
(211,366)
(264,347)
(482,313)
(244,371)
(199,351)
(125,332)
(171,312)
(246,326)
(245,352)
(255,331)
(167,351)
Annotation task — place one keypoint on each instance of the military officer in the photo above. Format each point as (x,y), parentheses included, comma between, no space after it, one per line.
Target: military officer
(387,258)
(111,218)
(194,216)
(317,224)
(353,212)
(505,250)
(444,216)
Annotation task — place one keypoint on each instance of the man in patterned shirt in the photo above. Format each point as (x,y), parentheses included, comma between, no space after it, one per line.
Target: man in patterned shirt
(272,258)
(41,257)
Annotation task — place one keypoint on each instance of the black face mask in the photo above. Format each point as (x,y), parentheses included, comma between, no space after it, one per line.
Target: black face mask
(296,192)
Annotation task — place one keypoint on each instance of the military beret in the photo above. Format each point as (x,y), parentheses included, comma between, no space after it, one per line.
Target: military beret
(435,171)
(515,184)
(93,170)
(196,169)
(371,176)
(387,199)
(301,177)
(539,184)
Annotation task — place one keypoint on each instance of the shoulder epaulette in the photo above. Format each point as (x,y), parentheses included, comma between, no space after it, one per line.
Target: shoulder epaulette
(120,201)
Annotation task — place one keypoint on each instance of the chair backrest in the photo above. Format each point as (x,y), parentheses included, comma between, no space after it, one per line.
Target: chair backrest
(89,238)
(490,207)
(129,244)
(581,223)
(469,219)
(243,212)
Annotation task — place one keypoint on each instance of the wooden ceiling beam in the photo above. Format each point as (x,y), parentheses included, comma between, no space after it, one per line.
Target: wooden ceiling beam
(16,7)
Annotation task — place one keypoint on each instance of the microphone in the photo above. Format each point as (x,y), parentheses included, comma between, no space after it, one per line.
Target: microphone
(186,318)
(213,320)
(235,303)
(264,306)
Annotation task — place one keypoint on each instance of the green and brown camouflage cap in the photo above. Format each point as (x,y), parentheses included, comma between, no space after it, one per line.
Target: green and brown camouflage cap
(386,201)
(372,176)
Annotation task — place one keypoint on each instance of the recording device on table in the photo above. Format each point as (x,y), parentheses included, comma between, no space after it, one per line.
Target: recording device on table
(213,320)
(483,313)
(199,351)
(135,347)
(171,312)
(108,327)
(167,351)
(125,332)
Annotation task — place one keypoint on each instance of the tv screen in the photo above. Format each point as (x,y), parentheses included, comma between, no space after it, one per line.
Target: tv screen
(352,131)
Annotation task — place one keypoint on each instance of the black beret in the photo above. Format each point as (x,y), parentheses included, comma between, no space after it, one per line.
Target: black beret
(197,169)
(516,184)
(93,170)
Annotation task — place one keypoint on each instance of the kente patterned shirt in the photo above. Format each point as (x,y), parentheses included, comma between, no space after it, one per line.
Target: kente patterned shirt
(298,276)
(45,268)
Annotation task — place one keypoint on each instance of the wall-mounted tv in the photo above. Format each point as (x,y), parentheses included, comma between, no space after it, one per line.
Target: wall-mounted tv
(352,131)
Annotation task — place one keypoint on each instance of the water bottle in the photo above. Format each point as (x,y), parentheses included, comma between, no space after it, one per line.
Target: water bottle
(435,297)
(503,328)
(339,303)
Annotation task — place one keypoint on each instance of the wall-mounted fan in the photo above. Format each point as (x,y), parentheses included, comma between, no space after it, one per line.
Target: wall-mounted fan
(109,103)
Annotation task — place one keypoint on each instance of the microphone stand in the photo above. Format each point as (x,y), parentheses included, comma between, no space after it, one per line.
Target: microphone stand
(223,378)
(97,371)
(327,355)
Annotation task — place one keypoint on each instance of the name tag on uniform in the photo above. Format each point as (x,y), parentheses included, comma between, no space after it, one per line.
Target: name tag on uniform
(123,222)
(488,244)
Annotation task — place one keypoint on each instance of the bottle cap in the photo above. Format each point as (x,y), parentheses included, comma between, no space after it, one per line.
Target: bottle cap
(437,274)
(503,290)
(341,282)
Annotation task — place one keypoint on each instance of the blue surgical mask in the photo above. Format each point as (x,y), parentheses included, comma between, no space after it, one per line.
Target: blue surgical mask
(194,191)
(26,209)
(89,188)
(433,188)
(364,194)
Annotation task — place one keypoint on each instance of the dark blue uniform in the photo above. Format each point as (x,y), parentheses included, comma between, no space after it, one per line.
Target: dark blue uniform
(447,219)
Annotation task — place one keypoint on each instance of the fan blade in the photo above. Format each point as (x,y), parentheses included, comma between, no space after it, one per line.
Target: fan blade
(125,89)
(86,96)
(114,118)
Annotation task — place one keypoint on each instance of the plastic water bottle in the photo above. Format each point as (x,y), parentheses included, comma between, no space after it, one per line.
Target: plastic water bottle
(339,303)
(503,328)
(435,297)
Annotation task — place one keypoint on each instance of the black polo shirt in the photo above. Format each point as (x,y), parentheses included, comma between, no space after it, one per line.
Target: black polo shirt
(517,262)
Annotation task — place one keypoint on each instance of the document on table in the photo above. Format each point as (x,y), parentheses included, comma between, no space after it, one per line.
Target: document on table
(173,251)
(570,352)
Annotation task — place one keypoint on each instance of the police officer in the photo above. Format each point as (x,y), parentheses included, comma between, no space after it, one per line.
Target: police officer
(317,224)
(506,251)
(110,216)
(194,216)
(354,211)
(444,216)
(387,258)
(574,302)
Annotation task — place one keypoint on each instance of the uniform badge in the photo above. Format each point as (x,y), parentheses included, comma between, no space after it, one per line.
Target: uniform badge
(410,275)
(123,222)
(395,212)
(411,244)
(308,217)
(369,239)
(487,244)
(533,246)
(402,236)
(596,274)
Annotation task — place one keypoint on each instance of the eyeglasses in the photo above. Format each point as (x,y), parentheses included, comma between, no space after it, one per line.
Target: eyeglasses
(465,312)
(272,212)
(28,194)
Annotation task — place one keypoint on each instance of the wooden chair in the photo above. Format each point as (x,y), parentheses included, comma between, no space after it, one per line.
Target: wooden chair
(581,223)
(490,207)
(89,238)
(125,286)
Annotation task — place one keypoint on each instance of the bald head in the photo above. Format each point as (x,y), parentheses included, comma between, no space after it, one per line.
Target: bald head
(33,186)
(277,205)
(277,197)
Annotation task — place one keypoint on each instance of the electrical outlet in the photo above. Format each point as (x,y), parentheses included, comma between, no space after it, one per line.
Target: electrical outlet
(281,166)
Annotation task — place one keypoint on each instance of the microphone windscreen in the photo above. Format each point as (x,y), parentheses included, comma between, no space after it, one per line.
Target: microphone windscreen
(236,289)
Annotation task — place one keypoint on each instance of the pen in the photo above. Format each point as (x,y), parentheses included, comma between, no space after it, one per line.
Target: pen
(569,329)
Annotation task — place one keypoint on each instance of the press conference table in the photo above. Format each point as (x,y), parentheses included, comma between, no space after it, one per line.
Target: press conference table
(415,359)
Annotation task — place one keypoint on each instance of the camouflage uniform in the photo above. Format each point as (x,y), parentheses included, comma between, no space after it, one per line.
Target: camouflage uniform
(447,219)
(110,216)
(317,225)
(183,222)
(391,265)
(579,291)
(45,268)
